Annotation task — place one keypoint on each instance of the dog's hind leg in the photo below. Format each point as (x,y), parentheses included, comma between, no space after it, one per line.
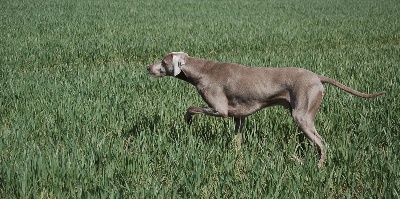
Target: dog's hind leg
(303,112)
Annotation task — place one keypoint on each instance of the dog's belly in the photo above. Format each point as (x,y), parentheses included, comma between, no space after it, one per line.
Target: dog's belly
(241,108)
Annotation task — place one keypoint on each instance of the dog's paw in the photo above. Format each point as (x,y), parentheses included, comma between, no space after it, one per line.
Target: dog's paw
(188,118)
(298,159)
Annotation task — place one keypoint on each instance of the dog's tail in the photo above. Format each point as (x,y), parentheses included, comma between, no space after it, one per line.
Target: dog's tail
(348,89)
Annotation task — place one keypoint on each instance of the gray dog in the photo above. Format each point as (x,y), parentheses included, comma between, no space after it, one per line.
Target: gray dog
(234,90)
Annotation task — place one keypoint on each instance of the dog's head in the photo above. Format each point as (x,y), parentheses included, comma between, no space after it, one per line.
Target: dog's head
(170,65)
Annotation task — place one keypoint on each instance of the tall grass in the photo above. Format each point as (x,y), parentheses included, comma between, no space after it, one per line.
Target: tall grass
(80,117)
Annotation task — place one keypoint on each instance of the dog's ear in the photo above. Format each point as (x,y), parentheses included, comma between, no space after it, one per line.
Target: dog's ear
(178,61)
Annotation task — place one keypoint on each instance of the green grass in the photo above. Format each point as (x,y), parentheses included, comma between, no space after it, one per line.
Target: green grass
(81,118)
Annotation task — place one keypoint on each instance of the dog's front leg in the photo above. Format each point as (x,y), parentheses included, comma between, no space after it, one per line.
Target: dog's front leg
(239,122)
(193,110)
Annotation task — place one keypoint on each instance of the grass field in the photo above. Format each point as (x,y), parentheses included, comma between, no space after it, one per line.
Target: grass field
(81,118)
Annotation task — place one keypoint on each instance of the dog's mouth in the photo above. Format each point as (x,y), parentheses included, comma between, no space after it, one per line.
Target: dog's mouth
(155,75)
(156,71)
(151,72)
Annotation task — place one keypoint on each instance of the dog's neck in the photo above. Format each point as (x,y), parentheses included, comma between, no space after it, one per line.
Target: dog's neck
(182,76)
(193,74)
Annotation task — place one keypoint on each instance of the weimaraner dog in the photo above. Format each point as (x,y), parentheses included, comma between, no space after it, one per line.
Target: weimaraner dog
(234,90)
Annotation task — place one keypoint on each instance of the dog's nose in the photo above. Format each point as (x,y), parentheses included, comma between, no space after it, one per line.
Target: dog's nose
(148,68)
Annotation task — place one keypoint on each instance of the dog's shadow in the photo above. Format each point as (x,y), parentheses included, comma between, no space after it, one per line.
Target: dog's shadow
(152,124)
(144,124)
